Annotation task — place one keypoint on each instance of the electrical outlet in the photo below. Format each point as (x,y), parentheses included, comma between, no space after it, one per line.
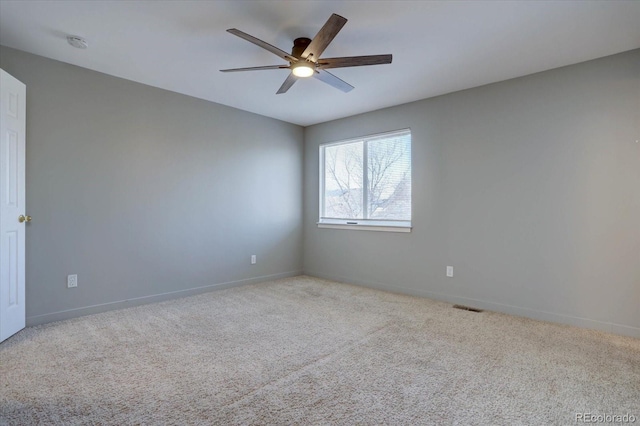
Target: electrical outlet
(72,281)
(253,259)
(450,271)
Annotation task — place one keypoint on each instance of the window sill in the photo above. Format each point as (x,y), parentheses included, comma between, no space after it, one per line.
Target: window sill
(367,226)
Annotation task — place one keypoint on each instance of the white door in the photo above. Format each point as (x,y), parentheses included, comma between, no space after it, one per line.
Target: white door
(12,204)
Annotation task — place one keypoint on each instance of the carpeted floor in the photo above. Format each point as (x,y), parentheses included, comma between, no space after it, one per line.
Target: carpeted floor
(308,351)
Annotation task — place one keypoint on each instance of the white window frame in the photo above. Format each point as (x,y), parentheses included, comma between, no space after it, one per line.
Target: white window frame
(361,224)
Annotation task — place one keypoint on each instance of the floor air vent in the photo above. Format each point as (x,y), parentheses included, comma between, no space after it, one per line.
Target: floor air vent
(467,308)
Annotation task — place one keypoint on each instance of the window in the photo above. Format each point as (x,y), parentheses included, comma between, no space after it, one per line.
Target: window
(365,183)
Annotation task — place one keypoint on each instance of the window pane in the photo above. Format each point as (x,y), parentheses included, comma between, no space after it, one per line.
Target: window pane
(389,175)
(343,179)
(368,180)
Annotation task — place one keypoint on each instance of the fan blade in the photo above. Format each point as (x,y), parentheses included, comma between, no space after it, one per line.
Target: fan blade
(320,42)
(332,80)
(287,84)
(279,52)
(267,67)
(354,61)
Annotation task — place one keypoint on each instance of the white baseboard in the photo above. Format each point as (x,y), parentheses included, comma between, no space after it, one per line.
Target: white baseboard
(621,329)
(128,303)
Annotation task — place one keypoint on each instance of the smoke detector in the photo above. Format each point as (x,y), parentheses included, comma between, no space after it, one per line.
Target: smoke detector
(77,41)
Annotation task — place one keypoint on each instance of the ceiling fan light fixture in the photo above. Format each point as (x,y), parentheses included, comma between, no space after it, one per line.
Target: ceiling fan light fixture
(303,69)
(304,60)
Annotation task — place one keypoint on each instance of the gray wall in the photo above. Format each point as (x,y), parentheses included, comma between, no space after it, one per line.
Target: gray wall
(530,188)
(144,192)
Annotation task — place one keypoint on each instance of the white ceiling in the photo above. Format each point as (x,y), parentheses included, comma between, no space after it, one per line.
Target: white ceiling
(438,46)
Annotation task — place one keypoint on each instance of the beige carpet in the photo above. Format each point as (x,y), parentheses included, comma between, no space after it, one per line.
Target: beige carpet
(308,351)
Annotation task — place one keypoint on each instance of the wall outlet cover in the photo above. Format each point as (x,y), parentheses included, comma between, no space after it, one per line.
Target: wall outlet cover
(72,281)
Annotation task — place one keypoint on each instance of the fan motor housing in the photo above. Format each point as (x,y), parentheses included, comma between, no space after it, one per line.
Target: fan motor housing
(299,45)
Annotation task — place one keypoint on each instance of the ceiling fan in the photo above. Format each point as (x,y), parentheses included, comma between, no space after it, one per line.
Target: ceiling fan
(305,61)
